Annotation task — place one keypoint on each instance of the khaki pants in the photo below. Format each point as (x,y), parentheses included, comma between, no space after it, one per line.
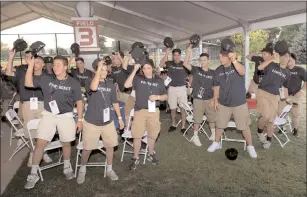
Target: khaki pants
(253,87)
(28,114)
(267,105)
(176,94)
(91,134)
(201,107)
(146,121)
(240,114)
(295,110)
(129,104)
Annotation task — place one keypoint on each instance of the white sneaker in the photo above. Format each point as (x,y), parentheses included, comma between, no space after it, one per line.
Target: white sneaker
(214,146)
(68,172)
(31,181)
(252,152)
(81,177)
(30,160)
(267,144)
(212,137)
(261,137)
(46,158)
(195,140)
(112,175)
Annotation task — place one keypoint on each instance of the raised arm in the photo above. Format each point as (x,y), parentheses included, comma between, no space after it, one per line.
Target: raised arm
(128,83)
(126,61)
(264,64)
(29,74)
(164,59)
(250,56)
(9,68)
(95,81)
(238,66)
(186,62)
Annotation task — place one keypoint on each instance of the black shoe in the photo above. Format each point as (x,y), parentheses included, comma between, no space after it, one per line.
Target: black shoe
(183,130)
(295,132)
(152,158)
(134,163)
(248,95)
(171,129)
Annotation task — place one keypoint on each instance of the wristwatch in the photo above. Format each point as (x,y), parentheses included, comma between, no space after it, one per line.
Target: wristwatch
(120,118)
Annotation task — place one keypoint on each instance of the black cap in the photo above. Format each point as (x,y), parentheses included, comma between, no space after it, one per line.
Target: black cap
(137,44)
(36,47)
(20,45)
(168,42)
(268,48)
(227,46)
(281,47)
(48,60)
(75,49)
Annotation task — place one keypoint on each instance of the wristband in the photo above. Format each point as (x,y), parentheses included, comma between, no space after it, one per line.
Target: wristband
(80,120)
(120,118)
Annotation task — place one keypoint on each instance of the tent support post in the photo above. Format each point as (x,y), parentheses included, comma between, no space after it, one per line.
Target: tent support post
(246,36)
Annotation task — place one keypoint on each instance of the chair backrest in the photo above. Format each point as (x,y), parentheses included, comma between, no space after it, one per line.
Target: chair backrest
(285,111)
(16,105)
(32,125)
(186,108)
(12,99)
(12,115)
(130,120)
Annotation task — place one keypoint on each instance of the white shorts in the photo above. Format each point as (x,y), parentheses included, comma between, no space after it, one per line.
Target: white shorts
(176,94)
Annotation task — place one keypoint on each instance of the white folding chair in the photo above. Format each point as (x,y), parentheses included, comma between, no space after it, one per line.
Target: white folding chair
(90,164)
(190,119)
(231,124)
(11,103)
(128,135)
(33,125)
(283,120)
(178,110)
(15,122)
(12,117)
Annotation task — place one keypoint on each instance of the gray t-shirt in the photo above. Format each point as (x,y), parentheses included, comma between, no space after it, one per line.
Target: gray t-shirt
(65,92)
(274,78)
(120,76)
(232,86)
(100,100)
(257,73)
(298,75)
(144,88)
(202,83)
(177,72)
(24,92)
(81,77)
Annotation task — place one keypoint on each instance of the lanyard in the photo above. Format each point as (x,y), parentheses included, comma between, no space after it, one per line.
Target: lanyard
(150,87)
(104,99)
(226,78)
(62,82)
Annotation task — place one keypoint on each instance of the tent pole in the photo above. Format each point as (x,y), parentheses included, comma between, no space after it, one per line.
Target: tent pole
(246,35)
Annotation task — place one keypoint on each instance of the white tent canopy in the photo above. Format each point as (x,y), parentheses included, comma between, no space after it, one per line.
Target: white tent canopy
(150,22)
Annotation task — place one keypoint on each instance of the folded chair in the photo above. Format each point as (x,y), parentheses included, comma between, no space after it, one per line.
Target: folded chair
(281,122)
(12,117)
(127,135)
(190,119)
(33,125)
(11,103)
(90,164)
(231,124)
(16,122)
(178,110)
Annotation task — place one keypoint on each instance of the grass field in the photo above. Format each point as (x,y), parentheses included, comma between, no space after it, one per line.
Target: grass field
(186,171)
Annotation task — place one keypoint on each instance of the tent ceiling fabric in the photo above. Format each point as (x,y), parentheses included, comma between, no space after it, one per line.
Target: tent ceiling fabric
(151,21)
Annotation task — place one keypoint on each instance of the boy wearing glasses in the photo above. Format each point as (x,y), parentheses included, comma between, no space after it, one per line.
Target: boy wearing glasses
(202,94)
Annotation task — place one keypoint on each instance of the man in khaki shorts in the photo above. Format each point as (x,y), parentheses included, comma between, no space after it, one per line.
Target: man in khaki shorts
(267,53)
(149,92)
(177,90)
(60,95)
(229,99)
(272,88)
(99,121)
(202,94)
(295,91)
(31,98)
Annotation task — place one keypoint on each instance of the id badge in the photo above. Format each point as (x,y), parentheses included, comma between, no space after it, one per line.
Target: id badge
(33,103)
(282,93)
(200,92)
(106,115)
(54,107)
(133,93)
(151,106)
(167,81)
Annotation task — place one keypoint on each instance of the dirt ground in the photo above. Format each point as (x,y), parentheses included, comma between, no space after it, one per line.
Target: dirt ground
(186,171)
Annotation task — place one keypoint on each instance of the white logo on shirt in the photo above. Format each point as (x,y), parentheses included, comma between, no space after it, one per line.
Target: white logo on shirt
(149,83)
(205,76)
(117,72)
(227,73)
(279,73)
(82,77)
(104,89)
(177,67)
(293,73)
(59,87)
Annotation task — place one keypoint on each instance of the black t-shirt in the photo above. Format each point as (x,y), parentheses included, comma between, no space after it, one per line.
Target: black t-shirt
(202,83)
(65,92)
(120,76)
(232,86)
(26,93)
(81,77)
(177,72)
(144,88)
(99,100)
(274,78)
(298,75)
(257,73)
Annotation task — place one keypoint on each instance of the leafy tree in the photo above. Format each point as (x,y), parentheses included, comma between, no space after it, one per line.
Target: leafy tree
(299,45)
(62,51)
(4,50)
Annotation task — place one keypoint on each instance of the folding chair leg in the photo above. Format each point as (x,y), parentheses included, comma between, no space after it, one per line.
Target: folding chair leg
(145,155)
(40,174)
(77,160)
(124,148)
(11,136)
(105,168)
(178,123)
(17,150)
